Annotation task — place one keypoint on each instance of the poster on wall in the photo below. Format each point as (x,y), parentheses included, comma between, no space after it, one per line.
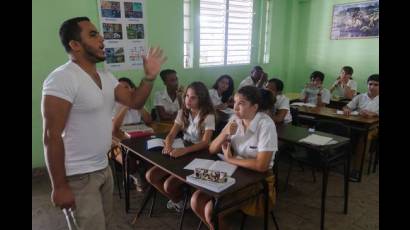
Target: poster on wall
(355,20)
(122,24)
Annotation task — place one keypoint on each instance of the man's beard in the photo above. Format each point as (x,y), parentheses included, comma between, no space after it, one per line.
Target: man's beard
(91,55)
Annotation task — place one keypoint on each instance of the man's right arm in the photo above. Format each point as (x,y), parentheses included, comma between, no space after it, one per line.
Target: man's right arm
(55,112)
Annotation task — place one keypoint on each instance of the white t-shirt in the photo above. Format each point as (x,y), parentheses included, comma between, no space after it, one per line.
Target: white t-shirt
(312,95)
(216,99)
(87,133)
(363,101)
(132,115)
(192,132)
(339,91)
(260,136)
(162,99)
(247,81)
(282,102)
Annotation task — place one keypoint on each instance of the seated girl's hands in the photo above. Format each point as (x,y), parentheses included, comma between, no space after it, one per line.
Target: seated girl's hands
(346,111)
(226,149)
(177,152)
(167,148)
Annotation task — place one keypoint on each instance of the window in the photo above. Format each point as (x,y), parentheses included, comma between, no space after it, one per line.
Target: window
(188,46)
(225,32)
(267,37)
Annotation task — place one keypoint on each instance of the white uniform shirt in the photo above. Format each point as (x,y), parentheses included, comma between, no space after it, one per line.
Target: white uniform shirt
(192,132)
(339,90)
(216,99)
(87,132)
(247,81)
(282,102)
(260,136)
(162,99)
(363,101)
(312,95)
(132,115)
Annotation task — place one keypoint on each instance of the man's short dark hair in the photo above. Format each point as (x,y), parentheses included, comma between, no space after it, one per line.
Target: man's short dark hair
(164,73)
(373,77)
(257,68)
(317,74)
(70,30)
(348,70)
(126,79)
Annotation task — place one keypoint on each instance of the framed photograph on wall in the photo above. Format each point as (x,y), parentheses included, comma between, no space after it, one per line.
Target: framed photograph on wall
(355,20)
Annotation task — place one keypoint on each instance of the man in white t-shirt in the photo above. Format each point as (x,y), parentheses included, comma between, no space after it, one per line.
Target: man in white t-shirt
(77,105)
(168,101)
(257,78)
(344,87)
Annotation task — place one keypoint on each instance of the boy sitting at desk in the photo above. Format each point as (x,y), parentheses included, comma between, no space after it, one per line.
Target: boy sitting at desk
(314,93)
(344,86)
(366,103)
(368,106)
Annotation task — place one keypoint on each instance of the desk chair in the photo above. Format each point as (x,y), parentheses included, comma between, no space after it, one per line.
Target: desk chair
(329,159)
(374,155)
(115,167)
(275,185)
(151,193)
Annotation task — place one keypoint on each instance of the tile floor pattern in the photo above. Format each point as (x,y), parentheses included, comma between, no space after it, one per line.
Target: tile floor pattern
(297,208)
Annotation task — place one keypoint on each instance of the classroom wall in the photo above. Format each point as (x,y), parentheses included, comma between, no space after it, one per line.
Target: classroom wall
(164,28)
(310,47)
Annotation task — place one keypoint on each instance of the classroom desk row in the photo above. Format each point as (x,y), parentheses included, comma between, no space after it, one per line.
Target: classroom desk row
(244,177)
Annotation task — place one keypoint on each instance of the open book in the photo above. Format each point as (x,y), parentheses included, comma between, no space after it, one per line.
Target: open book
(354,113)
(303,104)
(212,165)
(137,130)
(212,186)
(158,144)
(315,139)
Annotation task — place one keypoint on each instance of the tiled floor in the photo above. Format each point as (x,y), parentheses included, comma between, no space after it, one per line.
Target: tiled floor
(297,208)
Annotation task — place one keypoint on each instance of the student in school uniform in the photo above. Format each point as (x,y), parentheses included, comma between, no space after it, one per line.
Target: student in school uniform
(249,140)
(367,104)
(257,78)
(344,86)
(169,101)
(123,115)
(314,93)
(196,120)
(221,92)
(281,110)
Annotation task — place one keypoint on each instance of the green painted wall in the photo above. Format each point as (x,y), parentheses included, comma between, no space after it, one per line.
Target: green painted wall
(299,44)
(310,47)
(164,28)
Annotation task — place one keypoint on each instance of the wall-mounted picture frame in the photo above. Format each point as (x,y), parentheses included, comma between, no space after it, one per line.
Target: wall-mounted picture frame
(355,20)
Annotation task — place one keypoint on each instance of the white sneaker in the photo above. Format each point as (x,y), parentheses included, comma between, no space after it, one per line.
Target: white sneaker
(178,206)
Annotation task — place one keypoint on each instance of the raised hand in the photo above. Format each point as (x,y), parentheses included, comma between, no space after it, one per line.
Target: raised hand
(152,62)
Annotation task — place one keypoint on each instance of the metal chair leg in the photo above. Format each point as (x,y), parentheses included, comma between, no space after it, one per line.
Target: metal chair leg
(186,197)
(199,225)
(154,195)
(243,220)
(274,220)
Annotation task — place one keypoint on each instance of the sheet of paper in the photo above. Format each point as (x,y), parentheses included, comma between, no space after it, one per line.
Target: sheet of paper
(199,163)
(223,166)
(316,139)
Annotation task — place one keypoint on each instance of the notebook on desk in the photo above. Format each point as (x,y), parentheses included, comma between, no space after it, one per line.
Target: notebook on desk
(315,139)
(137,130)
(158,144)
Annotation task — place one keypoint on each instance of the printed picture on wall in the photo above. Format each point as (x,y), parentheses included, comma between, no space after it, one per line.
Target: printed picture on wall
(135,31)
(112,31)
(355,20)
(110,9)
(134,54)
(133,9)
(114,55)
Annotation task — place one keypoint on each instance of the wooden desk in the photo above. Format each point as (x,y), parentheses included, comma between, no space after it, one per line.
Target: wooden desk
(359,123)
(293,97)
(175,166)
(337,103)
(292,134)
